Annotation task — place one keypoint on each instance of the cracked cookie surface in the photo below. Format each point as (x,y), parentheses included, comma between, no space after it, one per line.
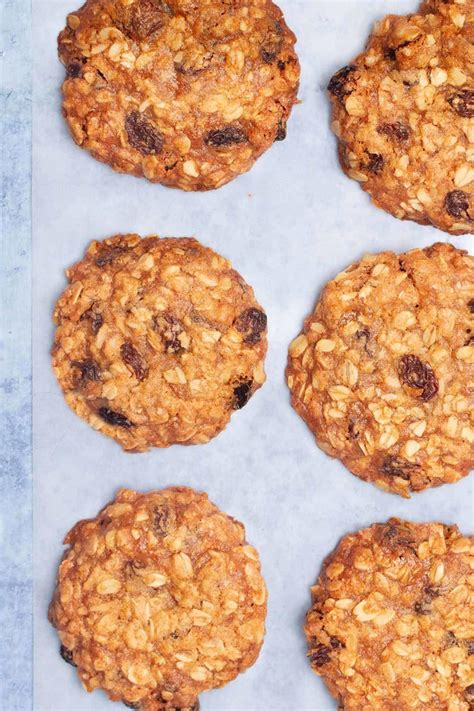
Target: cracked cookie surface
(383,373)
(391,625)
(158,598)
(403,113)
(188,94)
(158,341)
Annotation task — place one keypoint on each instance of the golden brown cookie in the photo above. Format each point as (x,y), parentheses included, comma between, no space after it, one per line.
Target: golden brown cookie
(391,625)
(383,373)
(158,598)
(188,94)
(403,112)
(158,341)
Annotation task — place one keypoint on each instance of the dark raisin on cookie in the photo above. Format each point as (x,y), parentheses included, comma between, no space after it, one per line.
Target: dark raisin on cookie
(252,322)
(242,394)
(89,370)
(397,131)
(463,102)
(95,319)
(170,329)
(419,375)
(320,656)
(226,136)
(338,84)
(132,358)
(163,520)
(66,654)
(114,418)
(397,466)
(272,44)
(457,204)
(143,135)
(146,17)
(74,68)
(375,163)
(281,131)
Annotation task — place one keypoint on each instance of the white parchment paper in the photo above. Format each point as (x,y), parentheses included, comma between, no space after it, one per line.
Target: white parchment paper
(288,226)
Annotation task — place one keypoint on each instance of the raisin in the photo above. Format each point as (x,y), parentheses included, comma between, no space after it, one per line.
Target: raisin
(416,374)
(252,322)
(163,519)
(320,655)
(338,84)
(353,428)
(376,163)
(470,306)
(463,102)
(89,369)
(457,204)
(336,643)
(66,654)
(281,131)
(423,606)
(397,130)
(390,53)
(470,646)
(272,44)
(242,394)
(146,17)
(132,358)
(114,418)
(396,535)
(74,69)
(226,136)
(363,335)
(95,319)
(170,328)
(109,254)
(469,695)
(396,466)
(143,135)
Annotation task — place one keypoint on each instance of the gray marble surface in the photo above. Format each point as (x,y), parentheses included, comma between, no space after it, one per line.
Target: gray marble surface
(289,225)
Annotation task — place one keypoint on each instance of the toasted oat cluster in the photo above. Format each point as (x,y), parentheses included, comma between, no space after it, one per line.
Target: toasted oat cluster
(391,625)
(383,373)
(188,94)
(158,341)
(158,598)
(403,112)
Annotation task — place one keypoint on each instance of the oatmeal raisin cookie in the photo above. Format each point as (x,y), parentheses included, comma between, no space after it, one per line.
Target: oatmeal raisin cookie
(158,598)
(403,112)
(188,94)
(383,373)
(391,625)
(158,341)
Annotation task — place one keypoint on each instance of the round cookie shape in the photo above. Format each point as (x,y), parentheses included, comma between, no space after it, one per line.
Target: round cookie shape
(187,94)
(403,113)
(158,341)
(383,373)
(391,625)
(158,598)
